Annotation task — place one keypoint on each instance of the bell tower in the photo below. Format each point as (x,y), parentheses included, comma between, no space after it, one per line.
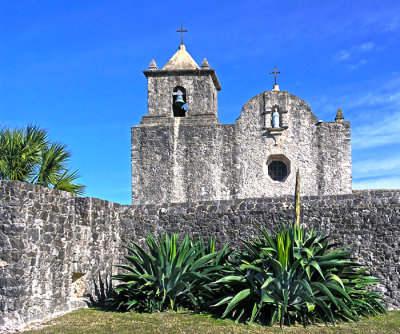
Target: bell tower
(181,89)
(178,150)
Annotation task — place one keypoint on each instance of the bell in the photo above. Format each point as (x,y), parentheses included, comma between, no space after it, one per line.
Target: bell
(179,101)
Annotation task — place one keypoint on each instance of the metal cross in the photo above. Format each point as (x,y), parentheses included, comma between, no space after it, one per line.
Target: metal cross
(275,72)
(181,31)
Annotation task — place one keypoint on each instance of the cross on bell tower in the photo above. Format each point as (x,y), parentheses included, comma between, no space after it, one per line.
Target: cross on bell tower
(181,31)
(276,86)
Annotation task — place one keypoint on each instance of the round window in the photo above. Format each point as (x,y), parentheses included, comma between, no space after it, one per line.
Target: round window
(277,170)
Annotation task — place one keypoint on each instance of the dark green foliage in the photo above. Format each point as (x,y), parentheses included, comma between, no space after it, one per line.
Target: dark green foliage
(170,275)
(292,277)
(28,155)
(295,277)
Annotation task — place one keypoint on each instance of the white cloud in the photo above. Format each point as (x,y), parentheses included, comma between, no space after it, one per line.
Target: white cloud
(378,132)
(361,62)
(383,100)
(377,167)
(342,55)
(378,183)
(391,26)
(375,113)
(367,46)
(361,103)
(378,135)
(355,51)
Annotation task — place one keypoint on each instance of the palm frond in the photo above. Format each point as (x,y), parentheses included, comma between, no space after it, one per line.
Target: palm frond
(28,155)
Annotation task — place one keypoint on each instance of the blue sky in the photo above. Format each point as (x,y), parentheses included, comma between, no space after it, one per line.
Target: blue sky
(75,69)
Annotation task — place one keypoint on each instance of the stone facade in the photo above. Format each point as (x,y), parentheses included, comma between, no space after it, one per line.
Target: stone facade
(58,250)
(321,151)
(191,174)
(195,158)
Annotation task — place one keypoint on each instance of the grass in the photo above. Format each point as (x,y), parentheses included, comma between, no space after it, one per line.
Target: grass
(100,322)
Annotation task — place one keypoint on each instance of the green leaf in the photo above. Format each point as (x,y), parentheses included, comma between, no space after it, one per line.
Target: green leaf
(266,283)
(310,307)
(235,300)
(317,267)
(254,312)
(266,298)
(228,279)
(324,290)
(337,279)
(223,301)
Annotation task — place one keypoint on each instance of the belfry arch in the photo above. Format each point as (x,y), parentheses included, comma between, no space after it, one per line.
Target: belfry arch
(179,102)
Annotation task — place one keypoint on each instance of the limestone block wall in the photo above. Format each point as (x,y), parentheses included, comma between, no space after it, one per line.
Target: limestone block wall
(201,92)
(57,251)
(182,162)
(333,150)
(321,151)
(195,158)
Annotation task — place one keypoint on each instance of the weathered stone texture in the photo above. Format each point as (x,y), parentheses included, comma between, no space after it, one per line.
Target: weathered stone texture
(182,163)
(256,145)
(194,158)
(49,239)
(201,88)
(334,158)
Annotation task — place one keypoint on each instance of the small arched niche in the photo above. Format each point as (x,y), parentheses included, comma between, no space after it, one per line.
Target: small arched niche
(179,101)
(278,167)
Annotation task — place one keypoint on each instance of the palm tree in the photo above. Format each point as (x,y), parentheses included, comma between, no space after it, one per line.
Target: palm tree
(28,155)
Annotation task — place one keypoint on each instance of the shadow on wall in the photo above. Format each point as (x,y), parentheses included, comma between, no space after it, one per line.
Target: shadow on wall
(102,292)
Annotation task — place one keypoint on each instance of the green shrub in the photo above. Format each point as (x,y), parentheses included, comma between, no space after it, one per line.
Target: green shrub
(28,155)
(295,277)
(169,275)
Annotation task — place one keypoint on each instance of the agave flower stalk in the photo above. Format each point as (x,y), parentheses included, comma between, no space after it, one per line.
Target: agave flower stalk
(297,200)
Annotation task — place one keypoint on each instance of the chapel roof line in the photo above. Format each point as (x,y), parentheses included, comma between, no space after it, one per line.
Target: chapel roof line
(181,60)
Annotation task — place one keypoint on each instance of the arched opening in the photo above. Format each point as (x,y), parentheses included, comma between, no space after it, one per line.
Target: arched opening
(179,101)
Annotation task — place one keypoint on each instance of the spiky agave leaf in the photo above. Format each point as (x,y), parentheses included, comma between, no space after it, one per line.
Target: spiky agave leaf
(169,275)
(295,277)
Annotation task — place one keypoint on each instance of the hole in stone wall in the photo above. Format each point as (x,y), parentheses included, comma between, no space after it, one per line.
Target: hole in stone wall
(76,276)
(78,285)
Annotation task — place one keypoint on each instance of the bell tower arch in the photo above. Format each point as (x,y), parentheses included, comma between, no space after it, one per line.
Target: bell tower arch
(194,90)
(179,101)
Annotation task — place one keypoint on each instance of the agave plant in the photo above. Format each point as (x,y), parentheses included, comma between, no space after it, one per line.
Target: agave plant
(169,275)
(295,277)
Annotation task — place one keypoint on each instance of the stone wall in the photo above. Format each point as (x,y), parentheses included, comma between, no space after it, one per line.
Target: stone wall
(320,150)
(58,250)
(195,158)
(200,86)
(182,162)
(333,149)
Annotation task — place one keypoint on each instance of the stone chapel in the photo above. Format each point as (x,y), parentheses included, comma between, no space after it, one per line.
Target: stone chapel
(181,153)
